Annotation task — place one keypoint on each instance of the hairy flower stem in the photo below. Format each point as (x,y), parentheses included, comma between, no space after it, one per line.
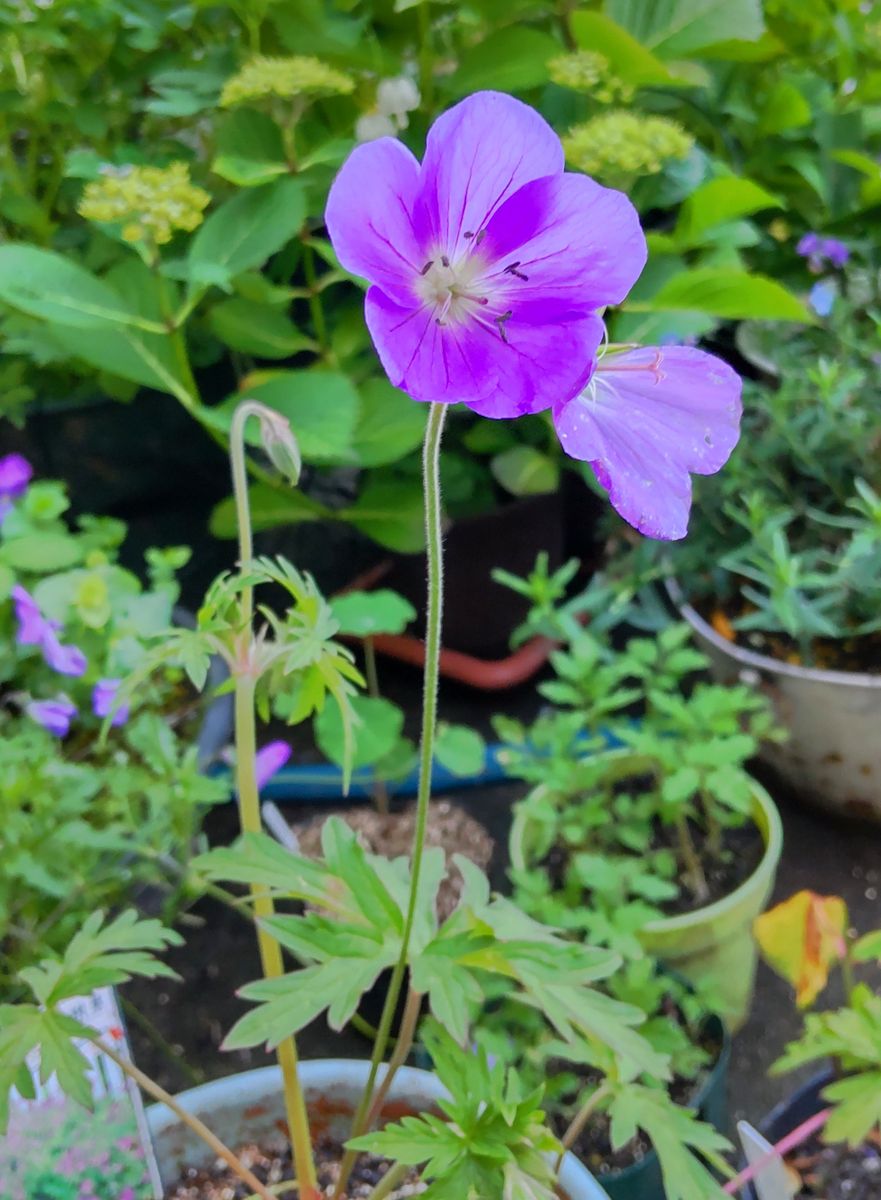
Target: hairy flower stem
(434,545)
(217,1147)
(249,815)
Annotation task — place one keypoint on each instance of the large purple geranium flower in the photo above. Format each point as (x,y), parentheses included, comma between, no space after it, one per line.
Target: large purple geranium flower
(487,262)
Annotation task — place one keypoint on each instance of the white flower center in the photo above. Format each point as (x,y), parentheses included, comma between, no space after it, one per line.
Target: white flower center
(453,288)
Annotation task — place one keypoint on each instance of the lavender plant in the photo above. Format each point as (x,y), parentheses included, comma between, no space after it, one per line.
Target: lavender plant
(486,286)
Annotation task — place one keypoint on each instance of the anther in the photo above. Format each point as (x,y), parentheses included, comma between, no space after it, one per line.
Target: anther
(468,234)
(427,267)
(444,260)
(511,269)
(500,325)
(478,237)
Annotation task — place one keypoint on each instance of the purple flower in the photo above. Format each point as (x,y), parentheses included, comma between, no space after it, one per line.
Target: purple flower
(103,697)
(836,252)
(648,419)
(54,715)
(270,759)
(819,251)
(36,630)
(15,475)
(809,245)
(487,262)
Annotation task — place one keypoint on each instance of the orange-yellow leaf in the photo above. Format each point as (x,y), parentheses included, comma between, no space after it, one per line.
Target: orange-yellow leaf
(802,938)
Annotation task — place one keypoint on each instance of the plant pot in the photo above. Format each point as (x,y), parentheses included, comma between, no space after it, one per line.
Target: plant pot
(804,1103)
(715,944)
(249,1107)
(833,755)
(643,1180)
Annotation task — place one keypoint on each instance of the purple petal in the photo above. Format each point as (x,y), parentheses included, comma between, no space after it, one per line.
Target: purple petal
(54,715)
(15,475)
(471,362)
(835,251)
(32,625)
(66,660)
(577,242)
(809,245)
(369,216)
(648,418)
(103,697)
(477,154)
(269,760)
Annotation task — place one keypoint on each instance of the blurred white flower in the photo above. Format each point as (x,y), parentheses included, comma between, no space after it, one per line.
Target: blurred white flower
(394,99)
(374,125)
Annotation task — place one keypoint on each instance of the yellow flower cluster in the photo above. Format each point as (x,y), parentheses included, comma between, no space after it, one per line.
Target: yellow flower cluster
(286,77)
(620,144)
(589,71)
(149,202)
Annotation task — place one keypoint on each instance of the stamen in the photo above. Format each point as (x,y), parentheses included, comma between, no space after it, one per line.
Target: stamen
(468,234)
(444,260)
(500,325)
(478,237)
(511,269)
(427,267)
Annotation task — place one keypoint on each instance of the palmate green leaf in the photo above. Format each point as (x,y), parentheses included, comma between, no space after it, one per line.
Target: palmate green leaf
(857,1108)
(25,1028)
(258,859)
(675,1134)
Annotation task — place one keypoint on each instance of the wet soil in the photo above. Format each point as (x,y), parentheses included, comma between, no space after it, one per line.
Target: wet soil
(450,827)
(839,1172)
(274,1167)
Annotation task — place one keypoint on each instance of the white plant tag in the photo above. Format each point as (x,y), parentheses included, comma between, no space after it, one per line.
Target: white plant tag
(55,1147)
(772,1181)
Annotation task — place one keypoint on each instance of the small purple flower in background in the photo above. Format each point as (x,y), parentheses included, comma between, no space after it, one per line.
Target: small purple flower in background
(103,696)
(488,262)
(54,715)
(819,251)
(269,760)
(489,267)
(648,419)
(36,630)
(15,475)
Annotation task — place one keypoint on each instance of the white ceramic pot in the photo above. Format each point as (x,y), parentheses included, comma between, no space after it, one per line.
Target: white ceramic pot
(248,1107)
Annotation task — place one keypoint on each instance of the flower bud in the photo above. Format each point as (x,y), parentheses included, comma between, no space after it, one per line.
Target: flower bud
(280,444)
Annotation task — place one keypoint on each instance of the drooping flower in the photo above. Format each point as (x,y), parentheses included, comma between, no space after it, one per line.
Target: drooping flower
(297,75)
(270,759)
(149,202)
(619,145)
(648,419)
(103,697)
(820,251)
(36,630)
(487,262)
(54,715)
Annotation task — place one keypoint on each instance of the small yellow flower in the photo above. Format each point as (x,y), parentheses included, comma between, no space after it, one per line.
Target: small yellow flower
(619,144)
(285,77)
(149,202)
(780,230)
(588,71)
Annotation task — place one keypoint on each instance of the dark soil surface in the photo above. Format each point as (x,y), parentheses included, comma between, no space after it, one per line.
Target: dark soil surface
(449,826)
(837,1172)
(742,851)
(272,1167)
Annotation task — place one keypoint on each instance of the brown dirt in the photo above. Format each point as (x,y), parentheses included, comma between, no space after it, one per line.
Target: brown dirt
(742,851)
(272,1167)
(838,1172)
(391,834)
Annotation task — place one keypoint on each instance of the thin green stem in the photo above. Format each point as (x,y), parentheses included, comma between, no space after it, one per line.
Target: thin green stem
(393,1177)
(249,807)
(218,1148)
(434,545)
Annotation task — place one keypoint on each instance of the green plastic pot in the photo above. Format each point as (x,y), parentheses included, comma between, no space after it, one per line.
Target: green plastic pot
(713,946)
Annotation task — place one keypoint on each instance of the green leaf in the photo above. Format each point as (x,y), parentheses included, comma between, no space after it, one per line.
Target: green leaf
(509,60)
(390,424)
(362,614)
(525,471)
(718,201)
(249,228)
(379,724)
(629,59)
(253,328)
(682,28)
(784,108)
(389,510)
(459,749)
(727,293)
(857,1108)
(41,552)
(270,507)
(56,289)
(250,149)
(867,948)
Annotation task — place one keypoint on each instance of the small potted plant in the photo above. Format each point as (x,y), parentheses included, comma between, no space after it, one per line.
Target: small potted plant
(828,1130)
(779,578)
(691,855)
(448,248)
(89,824)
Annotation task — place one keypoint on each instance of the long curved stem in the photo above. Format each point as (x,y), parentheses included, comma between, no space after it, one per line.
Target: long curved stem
(249,812)
(434,546)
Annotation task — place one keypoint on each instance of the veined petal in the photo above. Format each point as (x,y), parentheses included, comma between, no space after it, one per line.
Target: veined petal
(574,240)
(647,419)
(479,153)
(369,216)
(527,371)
